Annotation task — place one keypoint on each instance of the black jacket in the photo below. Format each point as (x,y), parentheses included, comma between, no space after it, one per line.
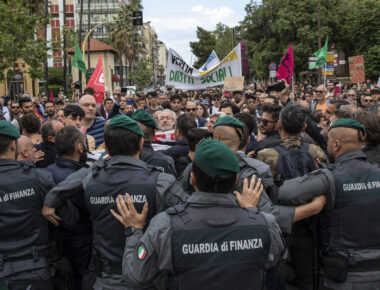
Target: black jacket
(180,148)
(158,160)
(271,140)
(50,154)
(372,152)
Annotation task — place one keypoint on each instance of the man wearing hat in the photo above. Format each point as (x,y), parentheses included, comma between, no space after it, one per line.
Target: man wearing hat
(158,160)
(25,237)
(210,241)
(230,131)
(120,174)
(348,232)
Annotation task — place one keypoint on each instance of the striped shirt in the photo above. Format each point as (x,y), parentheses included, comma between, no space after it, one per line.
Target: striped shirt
(97,131)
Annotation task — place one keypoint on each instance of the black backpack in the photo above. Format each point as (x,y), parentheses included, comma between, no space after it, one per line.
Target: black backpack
(292,164)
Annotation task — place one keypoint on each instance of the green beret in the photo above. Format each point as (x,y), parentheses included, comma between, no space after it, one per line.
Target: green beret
(347,123)
(9,129)
(145,118)
(230,122)
(124,122)
(215,158)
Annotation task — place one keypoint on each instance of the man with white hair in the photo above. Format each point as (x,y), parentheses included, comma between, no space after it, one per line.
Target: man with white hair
(166,120)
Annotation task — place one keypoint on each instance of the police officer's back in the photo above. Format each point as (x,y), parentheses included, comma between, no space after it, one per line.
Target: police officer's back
(24,243)
(121,173)
(208,243)
(349,232)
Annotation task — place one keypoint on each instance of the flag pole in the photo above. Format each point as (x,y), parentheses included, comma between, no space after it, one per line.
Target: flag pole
(324,79)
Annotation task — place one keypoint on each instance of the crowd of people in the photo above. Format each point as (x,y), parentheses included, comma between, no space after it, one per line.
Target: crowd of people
(271,187)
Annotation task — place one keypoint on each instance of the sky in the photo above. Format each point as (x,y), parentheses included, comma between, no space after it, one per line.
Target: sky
(176,21)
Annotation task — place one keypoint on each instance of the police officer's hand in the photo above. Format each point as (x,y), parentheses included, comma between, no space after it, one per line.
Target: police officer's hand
(49,214)
(251,194)
(129,217)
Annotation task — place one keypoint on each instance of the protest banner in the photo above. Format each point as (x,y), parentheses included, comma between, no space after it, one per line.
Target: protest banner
(232,84)
(356,64)
(213,60)
(183,76)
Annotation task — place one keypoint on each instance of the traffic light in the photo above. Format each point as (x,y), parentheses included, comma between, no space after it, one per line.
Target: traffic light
(137,18)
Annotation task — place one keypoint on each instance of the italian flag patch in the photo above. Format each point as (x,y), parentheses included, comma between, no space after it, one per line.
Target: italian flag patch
(141,252)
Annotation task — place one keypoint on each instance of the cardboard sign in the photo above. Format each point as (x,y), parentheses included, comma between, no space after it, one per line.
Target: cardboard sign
(232,84)
(357,73)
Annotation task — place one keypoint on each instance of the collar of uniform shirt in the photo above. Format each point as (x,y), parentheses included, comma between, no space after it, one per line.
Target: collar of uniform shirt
(212,198)
(124,160)
(353,154)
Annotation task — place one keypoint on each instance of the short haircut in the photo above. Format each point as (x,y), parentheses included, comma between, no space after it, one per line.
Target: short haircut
(74,111)
(48,102)
(293,118)
(195,135)
(5,141)
(152,94)
(175,97)
(148,132)
(47,130)
(66,140)
(371,123)
(273,110)
(339,103)
(247,120)
(120,141)
(89,91)
(184,124)
(23,100)
(317,116)
(30,123)
(233,107)
(107,99)
(275,100)
(166,105)
(207,183)
(250,108)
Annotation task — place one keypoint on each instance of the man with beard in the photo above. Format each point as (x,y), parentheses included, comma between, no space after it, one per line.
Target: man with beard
(76,243)
(50,111)
(166,120)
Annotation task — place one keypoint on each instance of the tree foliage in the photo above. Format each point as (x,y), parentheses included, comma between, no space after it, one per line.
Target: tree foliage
(19,27)
(203,47)
(142,73)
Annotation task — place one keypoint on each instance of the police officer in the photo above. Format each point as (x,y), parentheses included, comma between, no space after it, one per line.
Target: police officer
(122,173)
(347,227)
(208,243)
(160,161)
(230,131)
(24,243)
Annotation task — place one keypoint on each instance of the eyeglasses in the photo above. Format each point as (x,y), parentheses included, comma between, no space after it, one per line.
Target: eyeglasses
(265,122)
(217,100)
(368,101)
(320,92)
(191,110)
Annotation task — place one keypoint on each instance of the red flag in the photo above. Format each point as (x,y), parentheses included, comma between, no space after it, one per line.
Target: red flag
(97,81)
(286,68)
(51,96)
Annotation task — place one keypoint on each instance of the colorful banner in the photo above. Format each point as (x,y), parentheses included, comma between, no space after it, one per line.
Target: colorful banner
(286,68)
(213,60)
(97,81)
(357,73)
(183,76)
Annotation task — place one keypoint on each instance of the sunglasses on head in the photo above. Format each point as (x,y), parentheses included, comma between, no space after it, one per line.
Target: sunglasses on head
(265,122)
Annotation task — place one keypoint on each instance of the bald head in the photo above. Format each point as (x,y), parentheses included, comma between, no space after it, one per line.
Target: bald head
(342,140)
(304,104)
(228,136)
(88,105)
(25,148)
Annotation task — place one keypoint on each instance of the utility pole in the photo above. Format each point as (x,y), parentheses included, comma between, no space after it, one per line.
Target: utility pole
(64,50)
(80,38)
(88,43)
(319,37)
(46,71)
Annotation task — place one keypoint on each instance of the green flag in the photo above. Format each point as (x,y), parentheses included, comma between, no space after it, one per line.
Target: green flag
(78,60)
(321,55)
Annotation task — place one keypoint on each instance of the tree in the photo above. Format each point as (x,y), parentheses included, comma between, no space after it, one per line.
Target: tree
(202,48)
(19,27)
(123,37)
(142,74)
